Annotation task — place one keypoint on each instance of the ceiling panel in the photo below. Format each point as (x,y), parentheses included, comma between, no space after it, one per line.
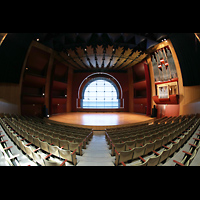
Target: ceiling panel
(102,50)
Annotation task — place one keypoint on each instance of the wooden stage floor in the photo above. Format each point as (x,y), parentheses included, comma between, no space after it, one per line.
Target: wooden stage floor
(100,121)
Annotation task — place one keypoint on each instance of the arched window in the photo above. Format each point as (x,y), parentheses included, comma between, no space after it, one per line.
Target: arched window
(100,93)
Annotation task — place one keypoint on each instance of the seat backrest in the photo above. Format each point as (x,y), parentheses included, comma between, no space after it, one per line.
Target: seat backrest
(44,146)
(153,161)
(130,144)
(126,155)
(139,142)
(37,157)
(165,140)
(30,138)
(28,151)
(70,138)
(55,141)
(174,147)
(51,163)
(54,150)
(64,144)
(62,137)
(78,140)
(73,146)
(47,139)
(149,148)
(147,139)
(41,135)
(65,154)
(139,151)
(120,147)
(21,145)
(36,142)
(158,143)
(165,154)
(116,141)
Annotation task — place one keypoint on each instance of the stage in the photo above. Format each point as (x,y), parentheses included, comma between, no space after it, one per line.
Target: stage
(100,121)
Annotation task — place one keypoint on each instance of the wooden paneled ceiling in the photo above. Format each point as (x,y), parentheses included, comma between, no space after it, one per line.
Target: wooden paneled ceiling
(96,58)
(101,51)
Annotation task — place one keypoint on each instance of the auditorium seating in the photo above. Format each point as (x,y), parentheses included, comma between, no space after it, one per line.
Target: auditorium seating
(43,141)
(168,141)
(151,144)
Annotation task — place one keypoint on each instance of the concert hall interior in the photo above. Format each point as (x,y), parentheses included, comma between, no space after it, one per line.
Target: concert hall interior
(99,99)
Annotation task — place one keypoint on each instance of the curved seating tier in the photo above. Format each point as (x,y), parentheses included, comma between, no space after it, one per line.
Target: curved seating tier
(151,144)
(50,140)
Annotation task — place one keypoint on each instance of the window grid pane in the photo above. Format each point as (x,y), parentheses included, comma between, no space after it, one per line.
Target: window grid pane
(100,94)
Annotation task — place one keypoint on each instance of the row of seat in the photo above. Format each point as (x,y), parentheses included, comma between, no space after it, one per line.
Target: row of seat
(43,143)
(138,140)
(187,154)
(6,151)
(144,125)
(178,139)
(50,125)
(167,134)
(143,131)
(40,146)
(58,141)
(51,130)
(68,145)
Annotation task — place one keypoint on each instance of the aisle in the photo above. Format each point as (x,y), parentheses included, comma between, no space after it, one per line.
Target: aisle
(97,152)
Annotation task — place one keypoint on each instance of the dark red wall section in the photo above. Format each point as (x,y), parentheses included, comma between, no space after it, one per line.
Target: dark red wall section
(121,77)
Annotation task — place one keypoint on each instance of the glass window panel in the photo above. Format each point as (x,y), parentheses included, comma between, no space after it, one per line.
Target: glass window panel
(109,89)
(92,89)
(101,88)
(92,84)
(107,84)
(100,94)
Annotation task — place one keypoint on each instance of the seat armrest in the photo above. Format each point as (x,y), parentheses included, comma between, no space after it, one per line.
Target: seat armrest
(1,136)
(117,152)
(80,144)
(193,145)
(173,141)
(8,148)
(28,144)
(36,149)
(156,153)
(74,151)
(4,141)
(123,164)
(63,162)
(181,164)
(187,153)
(143,160)
(48,156)
(165,147)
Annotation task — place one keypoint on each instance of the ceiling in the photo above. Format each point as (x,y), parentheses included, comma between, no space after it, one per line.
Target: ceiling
(104,51)
(82,51)
(101,51)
